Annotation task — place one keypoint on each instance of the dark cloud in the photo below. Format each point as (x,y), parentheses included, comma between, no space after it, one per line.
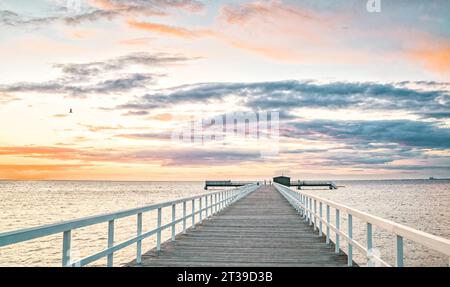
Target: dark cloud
(109,10)
(124,83)
(83,78)
(287,95)
(76,71)
(403,132)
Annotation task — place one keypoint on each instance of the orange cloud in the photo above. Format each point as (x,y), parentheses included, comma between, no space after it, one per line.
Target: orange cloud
(162,29)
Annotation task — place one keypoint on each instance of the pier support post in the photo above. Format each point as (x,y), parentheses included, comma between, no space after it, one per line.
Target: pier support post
(158,233)
(110,242)
(310,212)
(184,217)
(173,221)
(320,219)
(369,245)
(200,209)
(350,246)
(399,251)
(139,242)
(315,214)
(328,224)
(338,225)
(206,206)
(66,248)
(193,213)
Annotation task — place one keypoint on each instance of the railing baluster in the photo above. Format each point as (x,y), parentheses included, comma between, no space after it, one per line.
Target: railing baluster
(350,246)
(193,213)
(369,245)
(206,205)
(173,221)
(139,242)
(110,242)
(66,250)
(184,216)
(315,215)
(158,233)
(310,212)
(320,221)
(304,206)
(200,210)
(328,224)
(338,225)
(399,251)
(307,207)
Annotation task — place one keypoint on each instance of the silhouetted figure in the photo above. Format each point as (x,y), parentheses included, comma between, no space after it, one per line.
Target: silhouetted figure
(70,112)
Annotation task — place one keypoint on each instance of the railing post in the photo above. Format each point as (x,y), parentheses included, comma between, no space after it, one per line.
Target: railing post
(206,206)
(350,246)
(307,209)
(338,225)
(110,242)
(139,242)
(315,214)
(200,209)
(173,221)
(320,221)
(193,213)
(310,212)
(369,245)
(215,203)
(158,233)
(66,247)
(399,251)
(303,205)
(184,216)
(328,224)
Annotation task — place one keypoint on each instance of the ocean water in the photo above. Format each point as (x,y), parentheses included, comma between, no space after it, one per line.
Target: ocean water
(420,204)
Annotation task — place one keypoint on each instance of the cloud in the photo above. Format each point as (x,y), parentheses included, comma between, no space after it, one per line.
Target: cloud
(163,156)
(124,83)
(163,29)
(408,133)
(288,95)
(80,79)
(94,10)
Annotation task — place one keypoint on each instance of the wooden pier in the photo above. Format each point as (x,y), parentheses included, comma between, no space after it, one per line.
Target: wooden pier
(251,225)
(262,229)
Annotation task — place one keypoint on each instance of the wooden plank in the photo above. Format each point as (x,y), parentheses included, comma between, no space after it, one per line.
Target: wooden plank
(262,229)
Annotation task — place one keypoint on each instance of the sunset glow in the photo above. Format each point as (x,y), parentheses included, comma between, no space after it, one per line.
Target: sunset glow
(360,95)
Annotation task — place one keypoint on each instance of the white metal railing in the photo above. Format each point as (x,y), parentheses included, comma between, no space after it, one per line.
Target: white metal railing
(213,203)
(306,205)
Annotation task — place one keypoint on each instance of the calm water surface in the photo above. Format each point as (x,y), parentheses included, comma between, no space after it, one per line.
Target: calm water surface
(421,204)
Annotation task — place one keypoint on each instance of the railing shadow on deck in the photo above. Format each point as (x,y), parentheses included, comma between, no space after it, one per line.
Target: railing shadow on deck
(306,205)
(206,204)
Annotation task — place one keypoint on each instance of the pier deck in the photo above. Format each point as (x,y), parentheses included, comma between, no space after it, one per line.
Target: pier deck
(262,229)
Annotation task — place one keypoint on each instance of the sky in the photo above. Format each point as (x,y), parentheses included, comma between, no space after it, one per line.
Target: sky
(359,93)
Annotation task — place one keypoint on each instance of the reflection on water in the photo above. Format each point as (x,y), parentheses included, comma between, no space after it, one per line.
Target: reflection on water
(424,205)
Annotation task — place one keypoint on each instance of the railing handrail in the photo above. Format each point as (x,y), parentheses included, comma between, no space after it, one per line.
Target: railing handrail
(434,242)
(25,234)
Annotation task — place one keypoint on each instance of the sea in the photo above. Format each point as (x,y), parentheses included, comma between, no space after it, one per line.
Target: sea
(420,204)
